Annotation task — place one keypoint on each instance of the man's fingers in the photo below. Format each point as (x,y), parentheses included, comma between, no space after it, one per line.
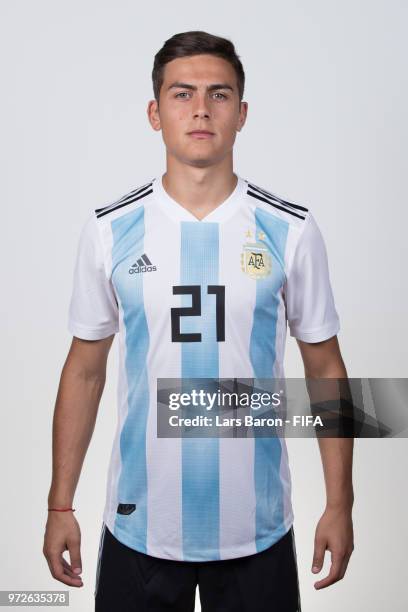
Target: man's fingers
(335,572)
(74,547)
(318,555)
(58,572)
(68,569)
(345,564)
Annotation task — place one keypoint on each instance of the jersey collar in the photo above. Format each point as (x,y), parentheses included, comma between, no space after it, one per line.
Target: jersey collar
(178,213)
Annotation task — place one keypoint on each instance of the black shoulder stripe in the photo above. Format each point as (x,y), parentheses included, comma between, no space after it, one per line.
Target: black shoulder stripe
(259,197)
(133,196)
(125,197)
(276,199)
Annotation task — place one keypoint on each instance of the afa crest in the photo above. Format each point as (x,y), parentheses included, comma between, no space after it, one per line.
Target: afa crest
(256,259)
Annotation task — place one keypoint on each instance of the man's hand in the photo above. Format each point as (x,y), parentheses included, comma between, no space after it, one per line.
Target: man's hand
(334,532)
(62,533)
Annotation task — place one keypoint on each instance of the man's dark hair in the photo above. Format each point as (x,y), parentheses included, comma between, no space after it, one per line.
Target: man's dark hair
(196,42)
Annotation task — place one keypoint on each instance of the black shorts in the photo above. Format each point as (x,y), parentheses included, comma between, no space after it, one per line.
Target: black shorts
(131,581)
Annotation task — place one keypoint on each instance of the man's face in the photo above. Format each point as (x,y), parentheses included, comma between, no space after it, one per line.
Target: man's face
(198,93)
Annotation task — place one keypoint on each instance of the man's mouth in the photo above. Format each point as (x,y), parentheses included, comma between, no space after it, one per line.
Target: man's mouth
(201,134)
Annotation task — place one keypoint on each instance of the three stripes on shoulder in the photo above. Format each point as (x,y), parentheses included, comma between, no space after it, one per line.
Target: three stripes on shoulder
(253,190)
(132,196)
(275,201)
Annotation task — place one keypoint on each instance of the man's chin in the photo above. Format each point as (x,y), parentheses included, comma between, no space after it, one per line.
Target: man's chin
(203,161)
(198,161)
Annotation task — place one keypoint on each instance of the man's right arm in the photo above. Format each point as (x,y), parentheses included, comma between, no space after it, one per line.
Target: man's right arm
(79,393)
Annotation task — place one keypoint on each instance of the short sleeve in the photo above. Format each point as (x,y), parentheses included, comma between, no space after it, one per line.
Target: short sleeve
(93,309)
(310,308)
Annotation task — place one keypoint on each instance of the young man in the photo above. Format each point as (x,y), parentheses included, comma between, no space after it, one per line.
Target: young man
(198,271)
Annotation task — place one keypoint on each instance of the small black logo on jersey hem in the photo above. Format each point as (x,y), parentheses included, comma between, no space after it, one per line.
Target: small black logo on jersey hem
(126,508)
(143,264)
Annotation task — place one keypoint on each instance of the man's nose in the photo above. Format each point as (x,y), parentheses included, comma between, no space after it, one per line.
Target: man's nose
(201,108)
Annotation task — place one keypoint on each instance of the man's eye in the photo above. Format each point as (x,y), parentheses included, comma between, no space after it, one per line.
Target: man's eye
(183,94)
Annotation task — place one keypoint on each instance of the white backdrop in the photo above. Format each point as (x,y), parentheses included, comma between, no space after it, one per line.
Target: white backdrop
(327,93)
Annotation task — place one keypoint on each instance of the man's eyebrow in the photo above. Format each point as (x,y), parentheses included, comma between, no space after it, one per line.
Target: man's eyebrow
(178,84)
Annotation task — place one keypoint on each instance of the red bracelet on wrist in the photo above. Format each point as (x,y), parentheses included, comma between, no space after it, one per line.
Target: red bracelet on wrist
(61,509)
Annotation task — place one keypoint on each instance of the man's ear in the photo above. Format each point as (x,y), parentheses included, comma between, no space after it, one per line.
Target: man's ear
(242,115)
(153,114)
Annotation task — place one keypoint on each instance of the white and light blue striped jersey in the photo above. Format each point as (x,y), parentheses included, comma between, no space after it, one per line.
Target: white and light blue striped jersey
(138,261)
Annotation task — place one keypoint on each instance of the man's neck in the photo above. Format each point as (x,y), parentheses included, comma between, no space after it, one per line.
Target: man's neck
(199,190)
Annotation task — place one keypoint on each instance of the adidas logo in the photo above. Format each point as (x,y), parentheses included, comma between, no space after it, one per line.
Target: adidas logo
(143,264)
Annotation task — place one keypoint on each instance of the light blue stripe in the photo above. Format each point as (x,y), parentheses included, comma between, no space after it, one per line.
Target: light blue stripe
(200,456)
(268,488)
(128,245)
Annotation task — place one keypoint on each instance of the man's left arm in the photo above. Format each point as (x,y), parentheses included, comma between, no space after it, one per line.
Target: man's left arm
(334,530)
